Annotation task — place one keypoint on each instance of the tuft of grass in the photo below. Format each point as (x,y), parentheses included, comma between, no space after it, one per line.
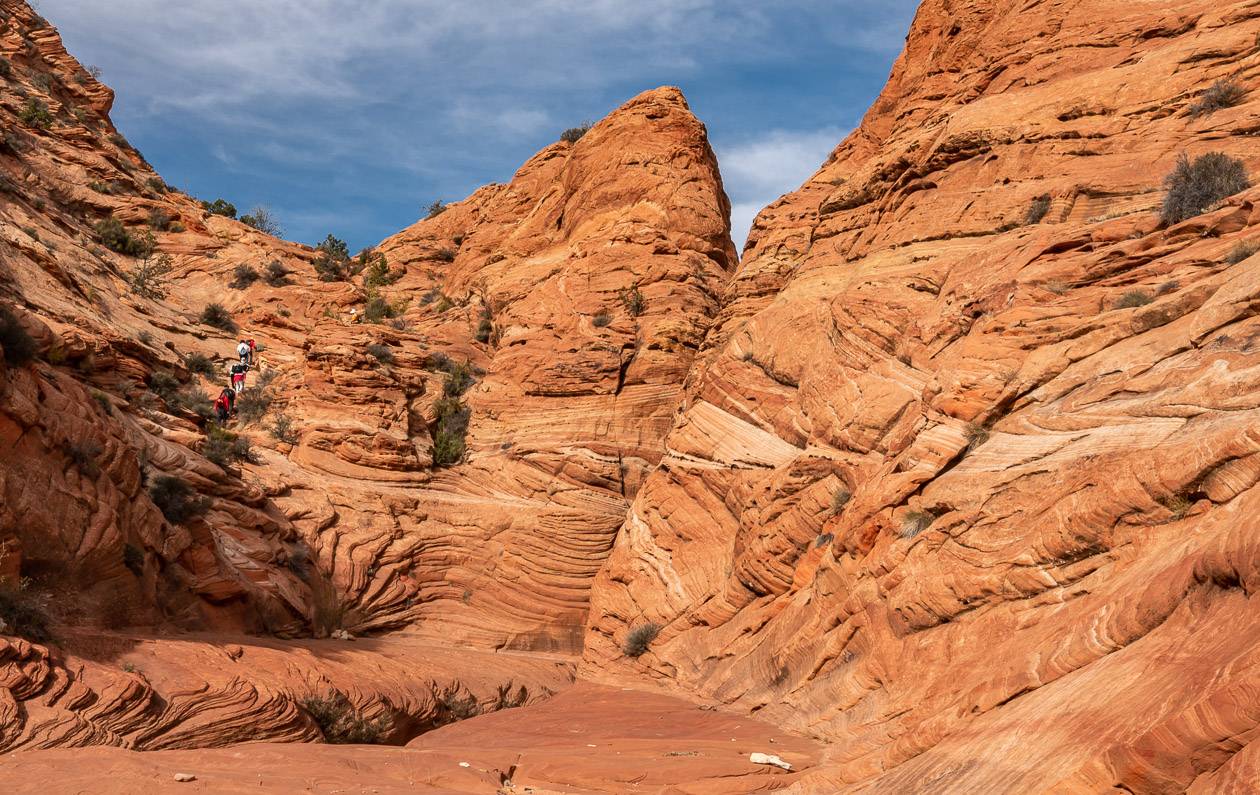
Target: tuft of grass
(243,276)
(840,499)
(976,435)
(1194,186)
(1224,93)
(216,315)
(1244,250)
(1133,298)
(275,274)
(916,522)
(602,319)
(341,723)
(177,501)
(19,347)
(639,639)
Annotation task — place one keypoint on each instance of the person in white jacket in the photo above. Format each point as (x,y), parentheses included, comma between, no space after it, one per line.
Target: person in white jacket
(242,351)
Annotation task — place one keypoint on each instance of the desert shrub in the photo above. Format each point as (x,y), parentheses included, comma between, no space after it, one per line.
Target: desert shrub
(381,353)
(103,401)
(1038,210)
(376,272)
(443,305)
(85,457)
(1133,298)
(133,559)
(639,639)
(164,384)
(226,448)
(107,188)
(275,274)
(150,278)
(1195,186)
(332,263)
(160,219)
(119,141)
(378,310)
(177,501)
(340,723)
(456,707)
(1224,93)
(201,364)
(632,300)
(282,429)
(6,68)
(19,348)
(1244,250)
(915,522)
(485,326)
(450,430)
(220,207)
(840,499)
(435,209)
(976,435)
(216,315)
(177,227)
(254,402)
(459,378)
(243,276)
(445,255)
(115,237)
(35,114)
(157,185)
(602,318)
(574,134)
(24,614)
(264,220)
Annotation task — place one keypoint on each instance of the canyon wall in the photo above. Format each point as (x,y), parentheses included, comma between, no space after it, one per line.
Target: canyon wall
(965,479)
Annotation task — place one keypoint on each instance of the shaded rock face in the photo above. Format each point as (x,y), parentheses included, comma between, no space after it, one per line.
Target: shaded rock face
(556,315)
(941,494)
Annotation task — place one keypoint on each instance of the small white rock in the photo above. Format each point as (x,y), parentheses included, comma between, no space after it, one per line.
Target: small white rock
(185,777)
(768,759)
(464,764)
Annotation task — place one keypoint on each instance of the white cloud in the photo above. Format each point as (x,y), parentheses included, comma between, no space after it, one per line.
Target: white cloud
(755,172)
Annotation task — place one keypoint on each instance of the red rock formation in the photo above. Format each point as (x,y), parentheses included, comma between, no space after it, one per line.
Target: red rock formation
(940,496)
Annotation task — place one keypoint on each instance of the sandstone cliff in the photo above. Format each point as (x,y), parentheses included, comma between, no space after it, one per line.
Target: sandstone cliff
(943,495)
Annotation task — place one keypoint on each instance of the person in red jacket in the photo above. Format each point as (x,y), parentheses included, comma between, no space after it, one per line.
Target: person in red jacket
(223,406)
(253,349)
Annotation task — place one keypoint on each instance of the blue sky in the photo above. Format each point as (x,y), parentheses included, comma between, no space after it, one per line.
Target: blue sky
(348,116)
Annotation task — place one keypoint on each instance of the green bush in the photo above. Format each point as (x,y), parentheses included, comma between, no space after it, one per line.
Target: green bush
(376,272)
(226,448)
(1195,186)
(1134,298)
(150,277)
(19,348)
(639,639)
(450,431)
(115,237)
(201,364)
(1222,94)
(632,300)
(220,207)
(176,499)
(35,114)
(340,723)
(24,615)
(216,315)
(275,274)
(332,263)
(243,276)
(574,134)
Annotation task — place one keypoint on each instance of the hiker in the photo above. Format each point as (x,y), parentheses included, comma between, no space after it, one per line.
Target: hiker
(223,406)
(238,376)
(242,351)
(252,350)
(231,396)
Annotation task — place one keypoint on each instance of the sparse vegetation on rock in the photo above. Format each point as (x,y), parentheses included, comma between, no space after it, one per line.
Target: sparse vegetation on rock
(381,353)
(632,300)
(574,134)
(115,237)
(332,264)
(275,274)
(19,347)
(264,220)
(1133,298)
(639,639)
(226,448)
(215,314)
(220,207)
(243,276)
(35,114)
(150,278)
(177,501)
(24,614)
(1194,186)
(435,209)
(1244,250)
(341,723)
(1224,93)
(1038,210)
(916,522)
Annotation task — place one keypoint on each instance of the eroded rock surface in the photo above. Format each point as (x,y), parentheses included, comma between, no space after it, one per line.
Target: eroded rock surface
(939,497)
